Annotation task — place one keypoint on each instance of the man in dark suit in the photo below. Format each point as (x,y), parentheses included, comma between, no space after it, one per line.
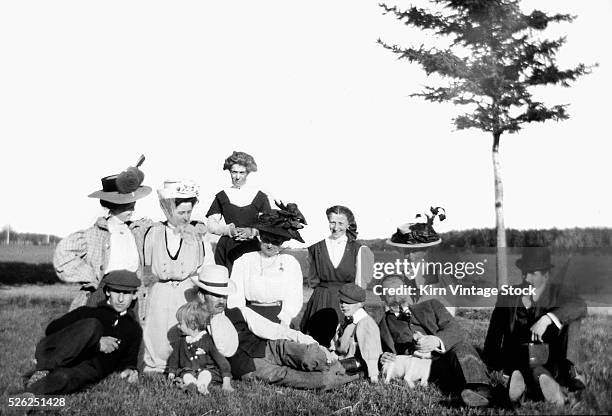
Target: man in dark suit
(425,328)
(549,317)
(88,343)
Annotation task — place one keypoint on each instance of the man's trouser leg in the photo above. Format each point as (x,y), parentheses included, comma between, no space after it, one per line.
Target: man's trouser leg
(78,341)
(458,367)
(297,356)
(281,375)
(65,380)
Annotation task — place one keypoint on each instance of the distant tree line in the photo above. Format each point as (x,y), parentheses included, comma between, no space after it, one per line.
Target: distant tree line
(26,238)
(474,239)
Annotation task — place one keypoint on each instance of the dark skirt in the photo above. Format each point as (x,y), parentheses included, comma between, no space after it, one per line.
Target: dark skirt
(323,313)
(228,250)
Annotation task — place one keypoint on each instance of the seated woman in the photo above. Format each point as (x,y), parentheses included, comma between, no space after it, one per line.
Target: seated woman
(173,252)
(112,243)
(233,213)
(268,281)
(333,261)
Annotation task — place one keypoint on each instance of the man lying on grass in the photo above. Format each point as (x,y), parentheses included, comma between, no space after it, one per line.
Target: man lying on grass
(89,343)
(265,350)
(428,328)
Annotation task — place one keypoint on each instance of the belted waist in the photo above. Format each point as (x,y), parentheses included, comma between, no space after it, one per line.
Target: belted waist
(335,285)
(253,303)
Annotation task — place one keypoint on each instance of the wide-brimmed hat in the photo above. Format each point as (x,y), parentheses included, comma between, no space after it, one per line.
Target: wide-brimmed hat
(215,279)
(283,222)
(179,188)
(418,234)
(534,259)
(122,280)
(125,187)
(351,293)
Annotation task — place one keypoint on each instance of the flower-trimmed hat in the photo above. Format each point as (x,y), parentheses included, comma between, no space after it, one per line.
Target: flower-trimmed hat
(179,189)
(420,234)
(283,222)
(125,187)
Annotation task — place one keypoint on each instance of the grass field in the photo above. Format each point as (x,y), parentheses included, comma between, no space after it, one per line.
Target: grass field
(25,311)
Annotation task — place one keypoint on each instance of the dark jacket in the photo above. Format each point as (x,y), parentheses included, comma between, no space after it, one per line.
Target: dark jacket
(197,356)
(249,345)
(432,317)
(499,343)
(123,327)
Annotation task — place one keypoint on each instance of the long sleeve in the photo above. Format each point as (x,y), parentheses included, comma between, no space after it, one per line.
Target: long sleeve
(449,331)
(71,317)
(240,273)
(494,339)
(224,334)
(294,294)
(358,268)
(266,329)
(368,342)
(70,260)
(216,225)
(220,360)
(569,309)
(173,360)
(129,358)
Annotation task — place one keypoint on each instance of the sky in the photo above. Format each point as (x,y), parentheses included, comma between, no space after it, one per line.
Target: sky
(86,87)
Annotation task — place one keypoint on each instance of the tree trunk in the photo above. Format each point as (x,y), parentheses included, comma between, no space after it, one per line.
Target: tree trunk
(502,258)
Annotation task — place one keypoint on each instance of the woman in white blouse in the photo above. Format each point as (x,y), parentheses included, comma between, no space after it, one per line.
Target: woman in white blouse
(268,281)
(334,261)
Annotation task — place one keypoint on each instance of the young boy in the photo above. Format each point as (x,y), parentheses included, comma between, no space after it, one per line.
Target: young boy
(196,359)
(358,335)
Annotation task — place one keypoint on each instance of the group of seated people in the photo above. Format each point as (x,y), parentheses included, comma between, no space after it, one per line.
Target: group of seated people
(154,301)
(221,343)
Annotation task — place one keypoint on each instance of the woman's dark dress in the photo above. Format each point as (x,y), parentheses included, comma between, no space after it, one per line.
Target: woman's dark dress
(322,312)
(228,249)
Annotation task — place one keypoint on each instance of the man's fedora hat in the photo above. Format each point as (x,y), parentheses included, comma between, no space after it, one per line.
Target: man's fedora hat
(419,234)
(122,280)
(534,259)
(125,187)
(215,279)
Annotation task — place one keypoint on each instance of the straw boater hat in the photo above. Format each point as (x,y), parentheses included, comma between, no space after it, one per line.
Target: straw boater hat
(125,187)
(180,188)
(420,234)
(283,222)
(214,278)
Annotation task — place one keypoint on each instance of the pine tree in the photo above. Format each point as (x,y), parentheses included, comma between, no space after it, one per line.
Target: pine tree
(492,61)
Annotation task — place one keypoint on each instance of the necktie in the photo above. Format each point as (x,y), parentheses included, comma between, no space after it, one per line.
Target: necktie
(347,321)
(405,316)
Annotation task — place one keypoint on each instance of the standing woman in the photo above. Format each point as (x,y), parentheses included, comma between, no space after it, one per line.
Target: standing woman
(268,281)
(334,261)
(234,211)
(112,243)
(173,252)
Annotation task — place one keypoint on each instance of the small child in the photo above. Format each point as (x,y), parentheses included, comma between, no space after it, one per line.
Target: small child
(196,359)
(358,336)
